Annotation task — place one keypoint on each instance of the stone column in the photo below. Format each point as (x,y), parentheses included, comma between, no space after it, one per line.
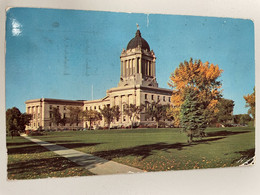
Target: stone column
(136,68)
(112,101)
(140,67)
(127,102)
(122,69)
(131,67)
(148,68)
(120,108)
(154,70)
(127,68)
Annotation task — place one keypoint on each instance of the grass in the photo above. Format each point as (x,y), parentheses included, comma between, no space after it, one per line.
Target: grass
(147,149)
(27,160)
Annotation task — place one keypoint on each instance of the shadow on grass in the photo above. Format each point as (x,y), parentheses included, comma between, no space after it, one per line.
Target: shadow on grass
(225,133)
(27,149)
(70,145)
(39,149)
(146,150)
(19,143)
(40,166)
(245,155)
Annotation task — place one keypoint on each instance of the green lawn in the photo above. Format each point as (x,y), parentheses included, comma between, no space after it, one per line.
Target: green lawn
(147,149)
(27,160)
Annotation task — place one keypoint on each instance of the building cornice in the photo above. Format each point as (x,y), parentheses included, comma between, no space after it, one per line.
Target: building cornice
(135,87)
(56,101)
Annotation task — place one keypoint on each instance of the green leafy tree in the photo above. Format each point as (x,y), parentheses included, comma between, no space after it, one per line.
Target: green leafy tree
(242,119)
(133,112)
(16,121)
(192,115)
(225,111)
(109,113)
(75,115)
(55,116)
(116,112)
(156,111)
(91,116)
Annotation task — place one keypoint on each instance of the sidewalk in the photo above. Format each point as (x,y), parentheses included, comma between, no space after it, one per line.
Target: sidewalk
(94,164)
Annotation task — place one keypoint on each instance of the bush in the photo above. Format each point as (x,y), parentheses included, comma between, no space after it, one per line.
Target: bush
(35,133)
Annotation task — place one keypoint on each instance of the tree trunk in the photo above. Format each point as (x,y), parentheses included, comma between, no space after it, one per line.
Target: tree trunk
(89,124)
(108,125)
(157,124)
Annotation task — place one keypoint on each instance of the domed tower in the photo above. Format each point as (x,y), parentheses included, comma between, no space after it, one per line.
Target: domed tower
(138,63)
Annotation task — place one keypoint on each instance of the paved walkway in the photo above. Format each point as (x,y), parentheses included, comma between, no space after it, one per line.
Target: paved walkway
(94,164)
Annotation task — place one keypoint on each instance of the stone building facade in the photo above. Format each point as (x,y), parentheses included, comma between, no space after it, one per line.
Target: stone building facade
(137,85)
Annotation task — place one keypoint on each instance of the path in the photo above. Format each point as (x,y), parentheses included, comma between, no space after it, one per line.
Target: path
(94,164)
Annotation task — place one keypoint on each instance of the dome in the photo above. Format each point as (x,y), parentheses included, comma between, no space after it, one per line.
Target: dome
(138,40)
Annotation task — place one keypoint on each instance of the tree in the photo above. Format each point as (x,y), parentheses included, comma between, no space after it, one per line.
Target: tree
(133,112)
(109,113)
(192,114)
(76,115)
(91,116)
(225,111)
(156,111)
(55,116)
(242,119)
(16,121)
(203,78)
(250,102)
(116,112)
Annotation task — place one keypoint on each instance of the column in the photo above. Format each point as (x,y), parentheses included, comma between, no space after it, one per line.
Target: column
(130,67)
(148,68)
(112,101)
(145,67)
(136,68)
(127,68)
(139,62)
(133,66)
(127,102)
(121,68)
(154,71)
(120,108)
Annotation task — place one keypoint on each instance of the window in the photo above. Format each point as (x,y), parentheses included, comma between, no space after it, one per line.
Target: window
(145,96)
(58,107)
(158,98)
(164,98)
(169,99)
(152,97)
(64,115)
(64,107)
(50,107)
(50,124)
(95,107)
(86,108)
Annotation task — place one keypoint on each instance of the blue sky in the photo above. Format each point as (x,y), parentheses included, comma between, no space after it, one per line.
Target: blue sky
(61,53)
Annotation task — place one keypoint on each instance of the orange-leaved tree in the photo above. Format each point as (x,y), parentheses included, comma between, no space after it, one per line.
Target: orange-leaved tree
(250,102)
(201,77)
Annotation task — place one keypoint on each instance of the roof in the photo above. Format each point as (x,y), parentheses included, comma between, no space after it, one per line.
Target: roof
(138,41)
